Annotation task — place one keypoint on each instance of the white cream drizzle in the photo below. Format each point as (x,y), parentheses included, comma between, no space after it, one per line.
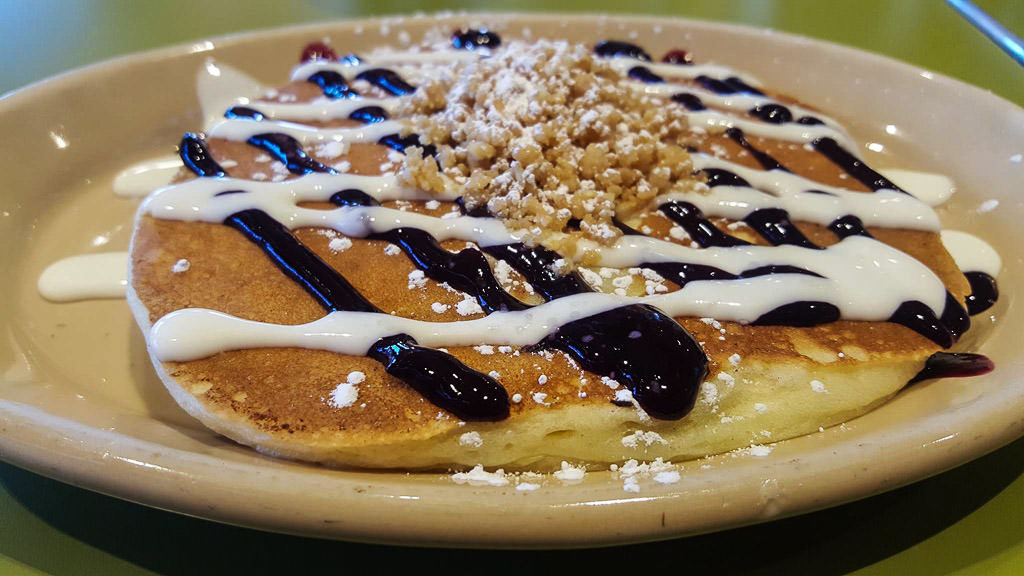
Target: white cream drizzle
(740,102)
(789,132)
(199,204)
(323,109)
(688,71)
(142,178)
(241,130)
(932,189)
(314,187)
(781,189)
(306,69)
(971,254)
(85,277)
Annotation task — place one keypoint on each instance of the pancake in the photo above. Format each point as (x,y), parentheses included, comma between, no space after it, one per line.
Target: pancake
(761,382)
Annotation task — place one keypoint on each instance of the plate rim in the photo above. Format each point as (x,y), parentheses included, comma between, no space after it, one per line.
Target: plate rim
(58,454)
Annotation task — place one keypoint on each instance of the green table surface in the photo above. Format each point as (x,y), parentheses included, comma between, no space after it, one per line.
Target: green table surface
(966,521)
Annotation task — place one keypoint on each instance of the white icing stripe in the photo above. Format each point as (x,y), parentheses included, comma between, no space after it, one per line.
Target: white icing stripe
(932,189)
(242,130)
(312,187)
(972,254)
(691,71)
(867,278)
(306,69)
(789,132)
(738,102)
(323,109)
(883,284)
(144,177)
(198,204)
(780,189)
(85,277)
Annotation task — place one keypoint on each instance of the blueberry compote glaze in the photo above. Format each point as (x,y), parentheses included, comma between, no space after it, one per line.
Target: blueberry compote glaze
(614,48)
(333,84)
(399,143)
(472,39)
(984,292)
(289,152)
(387,80)
(953,365)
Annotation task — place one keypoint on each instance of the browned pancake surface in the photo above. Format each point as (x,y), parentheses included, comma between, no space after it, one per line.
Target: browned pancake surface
(285,391)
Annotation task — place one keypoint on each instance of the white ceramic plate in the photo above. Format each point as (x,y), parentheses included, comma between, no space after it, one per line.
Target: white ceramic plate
(79,400)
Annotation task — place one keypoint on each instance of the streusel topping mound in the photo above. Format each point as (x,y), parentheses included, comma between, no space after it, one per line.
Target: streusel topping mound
(544,132)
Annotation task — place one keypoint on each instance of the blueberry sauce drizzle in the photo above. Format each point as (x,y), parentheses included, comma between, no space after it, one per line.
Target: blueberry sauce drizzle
(953,365)
(326,286)
(700,229)
(773,225)
(763,158)
(353,197)
(537,265)
(984,292)
(809,121)
(369,115)
(739,85)
(400,143)
(387,80)
(333,85)
(730,85)
(720,177)
(466,270)
(849,225)
(441,378)
(289,152)
(853,165)
(802,314)
(197,158)
(714,85)
(644,74)
(471,39)
(642,348)
(772,113)
(615,48)
(689,101)
(681,273)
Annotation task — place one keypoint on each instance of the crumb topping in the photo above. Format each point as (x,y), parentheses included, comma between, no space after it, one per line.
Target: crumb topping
(543,133)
